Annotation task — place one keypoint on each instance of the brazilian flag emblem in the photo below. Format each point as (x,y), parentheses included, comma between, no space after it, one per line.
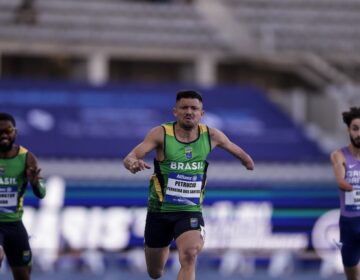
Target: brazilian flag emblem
(2,170)
(188,152)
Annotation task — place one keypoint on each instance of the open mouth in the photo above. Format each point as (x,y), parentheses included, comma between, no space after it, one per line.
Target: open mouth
(4,142)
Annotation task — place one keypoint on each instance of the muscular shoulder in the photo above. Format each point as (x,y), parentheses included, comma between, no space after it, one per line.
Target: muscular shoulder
(217,137)
(31,159)
(337,156)
(214,132)
(156,134)
(157,129)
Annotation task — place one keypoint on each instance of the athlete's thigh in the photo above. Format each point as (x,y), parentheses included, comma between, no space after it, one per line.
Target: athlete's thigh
(352,272)
(190,231)
(350,254)
(21,273)
(349,237)
(156,257)
(190,240)
(159,230)
(189,221)
(157,238)
(17,247)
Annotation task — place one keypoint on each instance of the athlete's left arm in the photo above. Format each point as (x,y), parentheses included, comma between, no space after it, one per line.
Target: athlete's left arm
(219,139)
(33,176)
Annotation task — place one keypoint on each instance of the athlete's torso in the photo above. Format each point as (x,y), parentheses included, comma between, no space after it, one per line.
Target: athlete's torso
(12,186)
(350,201)
(179,180)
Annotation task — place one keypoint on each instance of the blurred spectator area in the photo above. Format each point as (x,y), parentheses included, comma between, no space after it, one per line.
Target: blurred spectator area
(323,27)
(110,23)
(302,35)
(74,120)
(303,54)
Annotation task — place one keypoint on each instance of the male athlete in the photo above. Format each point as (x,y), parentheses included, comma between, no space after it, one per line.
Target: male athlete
(177,185)
(346,165)
(18,168)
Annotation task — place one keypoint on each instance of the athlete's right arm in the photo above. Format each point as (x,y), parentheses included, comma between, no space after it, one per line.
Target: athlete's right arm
(33,176)
(133,161)
(338,163)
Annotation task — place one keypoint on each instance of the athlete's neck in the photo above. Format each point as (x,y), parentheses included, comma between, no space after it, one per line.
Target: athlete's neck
(10,153)
(186,135)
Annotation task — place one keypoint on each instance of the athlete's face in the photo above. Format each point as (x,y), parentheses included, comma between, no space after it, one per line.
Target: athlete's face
(188,112)
(354,132)
(7,135)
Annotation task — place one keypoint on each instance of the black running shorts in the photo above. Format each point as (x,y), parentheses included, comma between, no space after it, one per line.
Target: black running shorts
(162,228)
(15,241)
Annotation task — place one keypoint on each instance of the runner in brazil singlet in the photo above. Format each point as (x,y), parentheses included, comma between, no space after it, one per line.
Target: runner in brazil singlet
(12,186)
(179,180)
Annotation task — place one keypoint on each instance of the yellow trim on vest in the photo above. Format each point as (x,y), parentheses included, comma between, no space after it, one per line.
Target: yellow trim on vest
(203,128)
(21,202)
(157,187)
(169,129)
(22,150)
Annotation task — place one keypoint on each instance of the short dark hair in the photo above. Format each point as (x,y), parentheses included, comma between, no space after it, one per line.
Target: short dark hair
(7,117)
(353,113)
(188,94)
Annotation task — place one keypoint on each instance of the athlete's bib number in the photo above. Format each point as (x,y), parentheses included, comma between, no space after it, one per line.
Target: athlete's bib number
(8,199)
(352,199)
(183,189)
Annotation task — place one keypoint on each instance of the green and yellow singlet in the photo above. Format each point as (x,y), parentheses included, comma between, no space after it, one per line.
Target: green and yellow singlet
(179,180)
(12,186)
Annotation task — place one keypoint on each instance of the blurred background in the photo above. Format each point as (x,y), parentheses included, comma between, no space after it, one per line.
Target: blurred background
(87,79)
